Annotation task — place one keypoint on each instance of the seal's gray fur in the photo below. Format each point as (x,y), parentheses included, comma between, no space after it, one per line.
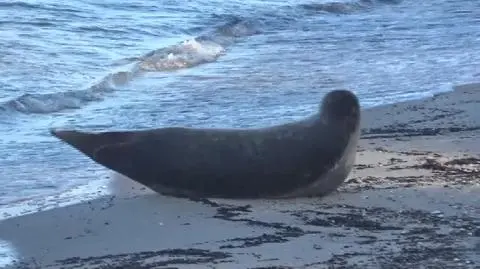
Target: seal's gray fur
(303,158)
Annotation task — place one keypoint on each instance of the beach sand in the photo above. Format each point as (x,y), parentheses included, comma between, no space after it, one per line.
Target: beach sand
(412,201)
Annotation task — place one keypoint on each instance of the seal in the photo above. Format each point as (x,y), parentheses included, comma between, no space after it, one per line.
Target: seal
(308,157)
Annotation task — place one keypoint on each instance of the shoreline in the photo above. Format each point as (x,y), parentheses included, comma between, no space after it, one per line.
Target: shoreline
(21,206)
(415,188)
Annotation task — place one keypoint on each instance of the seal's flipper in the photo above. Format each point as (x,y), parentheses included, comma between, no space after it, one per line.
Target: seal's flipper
(88,143)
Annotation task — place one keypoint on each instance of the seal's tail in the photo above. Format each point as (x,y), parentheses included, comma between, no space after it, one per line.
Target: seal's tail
(89,143)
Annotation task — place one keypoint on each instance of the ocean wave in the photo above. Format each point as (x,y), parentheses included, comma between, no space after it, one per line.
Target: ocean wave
(38,23)
(37,6)
(205,48)
(346,7)
(189,53)
(55,102)
(208,47)
(100,29)
(198,50)
(19,4)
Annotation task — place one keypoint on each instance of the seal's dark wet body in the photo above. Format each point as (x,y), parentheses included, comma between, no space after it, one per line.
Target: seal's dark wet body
(230,163)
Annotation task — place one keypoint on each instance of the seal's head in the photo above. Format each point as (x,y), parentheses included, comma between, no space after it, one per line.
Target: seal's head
(341,106)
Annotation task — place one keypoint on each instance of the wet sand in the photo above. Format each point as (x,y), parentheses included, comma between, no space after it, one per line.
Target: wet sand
(412,201)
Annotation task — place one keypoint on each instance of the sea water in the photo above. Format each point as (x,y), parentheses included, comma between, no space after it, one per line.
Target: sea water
(118,64)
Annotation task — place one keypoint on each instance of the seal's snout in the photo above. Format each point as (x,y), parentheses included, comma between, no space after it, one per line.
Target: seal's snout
(53,132)
(84,142)
(87,142)
(59,133)
(68,136)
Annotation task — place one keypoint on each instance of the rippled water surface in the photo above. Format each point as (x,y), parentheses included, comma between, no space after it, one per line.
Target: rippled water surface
(138,64)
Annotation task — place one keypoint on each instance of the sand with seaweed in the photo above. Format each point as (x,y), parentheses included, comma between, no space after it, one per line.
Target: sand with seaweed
(412,201)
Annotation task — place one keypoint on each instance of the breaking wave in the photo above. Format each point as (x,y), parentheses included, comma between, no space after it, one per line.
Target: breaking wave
(202,49)
(199,50)
(54,102)
(189,53)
